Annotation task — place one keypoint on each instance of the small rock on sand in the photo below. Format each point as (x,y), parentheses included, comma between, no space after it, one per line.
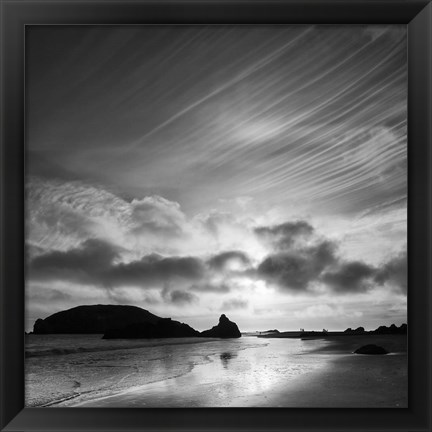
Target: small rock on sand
(371,349)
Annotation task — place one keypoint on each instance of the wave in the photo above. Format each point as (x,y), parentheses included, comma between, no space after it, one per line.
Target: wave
(60,351)
(156,343)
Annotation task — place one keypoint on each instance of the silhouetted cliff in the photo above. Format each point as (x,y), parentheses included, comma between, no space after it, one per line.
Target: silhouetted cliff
(93,319)
(126,322)
(225,329)
(164,328)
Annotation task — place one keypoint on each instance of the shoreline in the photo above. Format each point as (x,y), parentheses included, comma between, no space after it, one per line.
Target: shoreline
(336,379)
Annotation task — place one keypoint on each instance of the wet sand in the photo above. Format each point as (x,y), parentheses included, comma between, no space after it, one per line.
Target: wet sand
(332,377)
(350,381)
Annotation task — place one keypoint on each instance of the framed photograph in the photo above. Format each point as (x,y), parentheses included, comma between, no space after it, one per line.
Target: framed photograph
(216,215)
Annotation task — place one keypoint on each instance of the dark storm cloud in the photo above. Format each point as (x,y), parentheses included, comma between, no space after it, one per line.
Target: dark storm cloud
(86,264)
(94,263)
(220,261)
(182,297)
(283,236)
(357,276)
(349,277)
(154,269)
(295,266)
(395,272)
(296,269)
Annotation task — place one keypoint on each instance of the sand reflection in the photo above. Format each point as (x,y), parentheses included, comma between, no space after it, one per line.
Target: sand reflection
(226,357)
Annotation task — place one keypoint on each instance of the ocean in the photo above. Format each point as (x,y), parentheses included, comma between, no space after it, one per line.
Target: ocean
(86,370)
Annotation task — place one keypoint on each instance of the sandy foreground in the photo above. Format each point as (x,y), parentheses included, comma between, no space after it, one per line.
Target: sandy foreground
(351,381)
(342,379)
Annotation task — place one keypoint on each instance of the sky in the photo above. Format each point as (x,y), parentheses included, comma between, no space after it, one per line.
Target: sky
(256,171)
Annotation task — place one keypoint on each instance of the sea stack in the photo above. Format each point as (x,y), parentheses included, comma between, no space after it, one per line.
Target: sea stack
(225,329)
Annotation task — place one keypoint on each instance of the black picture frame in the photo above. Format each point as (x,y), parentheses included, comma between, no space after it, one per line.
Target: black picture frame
(17,14)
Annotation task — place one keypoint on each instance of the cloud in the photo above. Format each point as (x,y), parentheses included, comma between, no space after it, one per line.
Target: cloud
(302,261)
(61,215)
(86,264)
(349,277)
(229,260)
(299,261)
(395,272)
(357,276)
(294,270)
(48,295)
(157,215)
(211,287)
(155,270)
(218,222)
(182,297)
(285,235)
(93,262)
(234,304)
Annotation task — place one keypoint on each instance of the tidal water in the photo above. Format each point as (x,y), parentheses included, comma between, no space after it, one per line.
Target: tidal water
(86,370)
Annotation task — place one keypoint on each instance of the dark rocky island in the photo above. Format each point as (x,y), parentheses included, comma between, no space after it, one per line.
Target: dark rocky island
(225,329)
(126,322)
(164,328)
(93,319)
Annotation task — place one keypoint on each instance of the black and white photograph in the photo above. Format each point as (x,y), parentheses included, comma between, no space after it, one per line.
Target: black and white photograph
(216,216)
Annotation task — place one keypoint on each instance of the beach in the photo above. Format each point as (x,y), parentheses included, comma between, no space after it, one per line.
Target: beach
(245,372)
(352,380)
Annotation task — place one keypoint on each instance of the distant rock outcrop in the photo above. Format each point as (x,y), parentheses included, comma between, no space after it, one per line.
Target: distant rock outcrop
(391,330)
(358,330)
(225,329)
(93,319)
(164,328)
(371,349)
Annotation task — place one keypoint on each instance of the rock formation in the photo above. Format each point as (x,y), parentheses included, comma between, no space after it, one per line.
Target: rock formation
(126,322)
(93,319)
(391,330)
(164,328)
(358,330)
(371,349)
(225,329)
